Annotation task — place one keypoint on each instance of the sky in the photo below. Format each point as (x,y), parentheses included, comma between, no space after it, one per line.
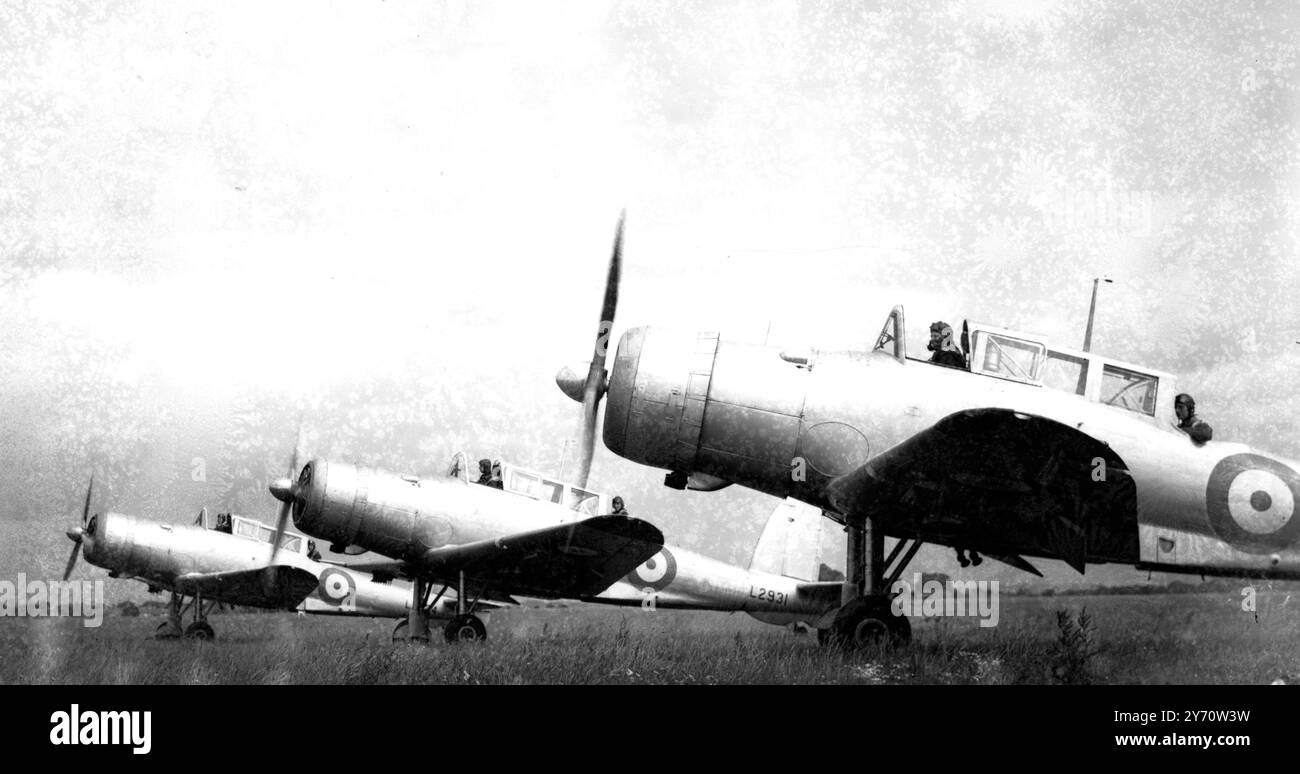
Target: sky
(209,210)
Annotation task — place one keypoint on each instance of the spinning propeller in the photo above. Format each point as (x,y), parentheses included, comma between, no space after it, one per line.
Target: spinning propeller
(590,390)
(286,491)
(291,490)
(79,534)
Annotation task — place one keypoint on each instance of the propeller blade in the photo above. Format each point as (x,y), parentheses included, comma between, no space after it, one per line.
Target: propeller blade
(594,387)
(280,524)
(283,521)
(297,452)
(85,510)
(72,559)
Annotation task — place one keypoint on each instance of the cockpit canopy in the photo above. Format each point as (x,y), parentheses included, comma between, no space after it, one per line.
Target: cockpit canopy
(243,526)
(538,486)
(1027,358)
(1005,354)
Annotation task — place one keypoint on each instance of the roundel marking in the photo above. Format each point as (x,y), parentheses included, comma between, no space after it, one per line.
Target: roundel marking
(1251,501)
(656,572)
(336,586)
(1261,503)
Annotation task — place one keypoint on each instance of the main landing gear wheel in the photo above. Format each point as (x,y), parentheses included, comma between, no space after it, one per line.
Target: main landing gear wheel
(402,633)
(168,630)
(465,628)
(867,622)
(199,630)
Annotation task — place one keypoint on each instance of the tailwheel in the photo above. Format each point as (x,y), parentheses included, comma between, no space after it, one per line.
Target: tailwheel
(867,622)
(199,630)
(465,628)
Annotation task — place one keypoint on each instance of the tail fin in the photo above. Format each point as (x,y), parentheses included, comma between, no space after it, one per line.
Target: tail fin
(791,542)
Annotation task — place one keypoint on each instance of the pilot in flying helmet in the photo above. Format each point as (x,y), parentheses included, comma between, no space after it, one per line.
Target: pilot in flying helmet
(1188,422)
(946,351)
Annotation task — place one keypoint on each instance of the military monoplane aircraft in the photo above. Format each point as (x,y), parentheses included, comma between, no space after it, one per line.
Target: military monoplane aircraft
(482,544)
(552,542)
(1031,450)
(448,531)
(210,566)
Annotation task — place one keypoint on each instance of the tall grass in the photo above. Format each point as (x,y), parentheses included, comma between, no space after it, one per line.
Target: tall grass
(1174,639)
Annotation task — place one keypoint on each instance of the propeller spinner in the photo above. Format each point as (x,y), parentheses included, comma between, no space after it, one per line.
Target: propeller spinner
(591,390)
(78,534)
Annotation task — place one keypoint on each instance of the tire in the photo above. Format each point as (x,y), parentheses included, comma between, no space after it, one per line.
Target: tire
(199,630)
(868,622)
(401,632)
(465,628)
(167,630)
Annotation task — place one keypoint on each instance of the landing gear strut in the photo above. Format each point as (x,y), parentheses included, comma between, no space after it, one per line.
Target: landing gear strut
(199,628)
(463,627)
(865,617)
(416,626)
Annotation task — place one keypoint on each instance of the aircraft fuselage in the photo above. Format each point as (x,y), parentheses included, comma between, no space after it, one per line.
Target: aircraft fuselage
(698,405)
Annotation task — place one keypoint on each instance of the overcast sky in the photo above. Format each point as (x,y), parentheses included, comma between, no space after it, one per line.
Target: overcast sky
(202,203)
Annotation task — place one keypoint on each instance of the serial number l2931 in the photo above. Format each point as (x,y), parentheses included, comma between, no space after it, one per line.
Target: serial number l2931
(768,595)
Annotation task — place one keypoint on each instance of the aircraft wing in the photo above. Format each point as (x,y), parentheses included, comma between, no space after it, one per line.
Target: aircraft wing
(388,570)
(1002,483)
(380,570)
(277,586)
(573,560)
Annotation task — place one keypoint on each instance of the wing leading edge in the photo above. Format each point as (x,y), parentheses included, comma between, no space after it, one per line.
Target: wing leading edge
(278,586)
(566,560)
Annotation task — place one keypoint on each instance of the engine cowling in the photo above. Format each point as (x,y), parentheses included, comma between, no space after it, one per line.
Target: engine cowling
(356,506)
(694,404)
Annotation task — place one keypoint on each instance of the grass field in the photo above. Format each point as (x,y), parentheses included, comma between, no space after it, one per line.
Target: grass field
(1186,638)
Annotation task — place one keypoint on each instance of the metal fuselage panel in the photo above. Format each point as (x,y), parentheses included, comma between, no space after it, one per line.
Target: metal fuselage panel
(361,597)
(159,553)
(765,418)
(382,512)
(677,578)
